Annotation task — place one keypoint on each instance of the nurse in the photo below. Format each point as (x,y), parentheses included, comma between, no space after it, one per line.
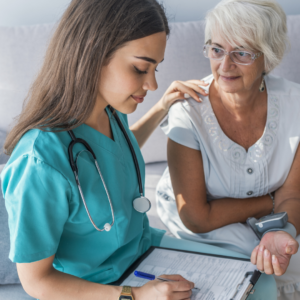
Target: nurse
(100,65)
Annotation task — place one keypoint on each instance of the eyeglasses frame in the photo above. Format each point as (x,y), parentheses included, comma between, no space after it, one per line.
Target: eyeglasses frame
(254,56)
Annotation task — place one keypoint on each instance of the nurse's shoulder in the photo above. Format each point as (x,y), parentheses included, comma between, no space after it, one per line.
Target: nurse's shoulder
(49,148)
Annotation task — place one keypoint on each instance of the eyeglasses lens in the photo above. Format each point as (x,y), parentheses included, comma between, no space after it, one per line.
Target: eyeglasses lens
(239,57)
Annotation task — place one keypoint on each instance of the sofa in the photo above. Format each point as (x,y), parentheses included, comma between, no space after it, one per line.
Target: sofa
(21,53)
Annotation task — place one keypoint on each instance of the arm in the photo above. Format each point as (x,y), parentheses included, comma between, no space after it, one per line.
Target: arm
(287,197)
(40,280)
(276,248)
(143,128)
(198,215)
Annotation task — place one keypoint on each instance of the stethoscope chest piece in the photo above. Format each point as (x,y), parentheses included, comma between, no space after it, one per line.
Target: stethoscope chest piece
(141,204)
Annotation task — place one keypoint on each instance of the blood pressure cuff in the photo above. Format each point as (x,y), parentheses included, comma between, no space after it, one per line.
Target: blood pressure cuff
(289,228)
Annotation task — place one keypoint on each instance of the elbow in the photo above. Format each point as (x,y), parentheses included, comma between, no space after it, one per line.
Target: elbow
(34,286)
(30,289)
(196,223)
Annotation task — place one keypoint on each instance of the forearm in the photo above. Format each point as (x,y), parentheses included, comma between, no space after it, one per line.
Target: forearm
(60,286)
(292,207)
(143,128)
(222,212)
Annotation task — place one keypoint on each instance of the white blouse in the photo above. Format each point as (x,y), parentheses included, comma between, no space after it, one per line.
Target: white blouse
(229,170)
(232,172)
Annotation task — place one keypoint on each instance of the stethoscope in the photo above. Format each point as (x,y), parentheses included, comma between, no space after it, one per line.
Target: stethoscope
(140,204)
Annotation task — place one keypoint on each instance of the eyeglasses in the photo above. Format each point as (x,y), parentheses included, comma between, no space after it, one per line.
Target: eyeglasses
(237,56)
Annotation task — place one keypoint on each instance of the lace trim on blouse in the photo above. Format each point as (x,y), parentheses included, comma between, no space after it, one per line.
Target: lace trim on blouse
(235,152)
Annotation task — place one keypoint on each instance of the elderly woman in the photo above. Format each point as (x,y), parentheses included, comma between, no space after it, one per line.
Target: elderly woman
(236,154)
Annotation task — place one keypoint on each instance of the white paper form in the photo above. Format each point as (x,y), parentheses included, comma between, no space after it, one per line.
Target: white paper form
(217,278)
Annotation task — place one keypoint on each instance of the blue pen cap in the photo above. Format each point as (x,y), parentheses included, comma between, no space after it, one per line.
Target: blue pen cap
(144,275)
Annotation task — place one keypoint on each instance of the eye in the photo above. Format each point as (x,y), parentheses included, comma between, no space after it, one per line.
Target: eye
(142,72)
(139,71)
(242,53)
(217,50)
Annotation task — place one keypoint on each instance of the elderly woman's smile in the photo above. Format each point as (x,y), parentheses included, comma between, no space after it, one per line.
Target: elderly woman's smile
(232,77)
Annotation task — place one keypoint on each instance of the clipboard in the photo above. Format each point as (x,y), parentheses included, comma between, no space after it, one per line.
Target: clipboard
(255,275)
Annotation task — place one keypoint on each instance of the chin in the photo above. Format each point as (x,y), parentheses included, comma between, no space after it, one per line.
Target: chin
(230,88)
(127,108)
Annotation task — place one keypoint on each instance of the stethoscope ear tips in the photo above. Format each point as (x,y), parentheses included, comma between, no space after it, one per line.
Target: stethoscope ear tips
(107,227)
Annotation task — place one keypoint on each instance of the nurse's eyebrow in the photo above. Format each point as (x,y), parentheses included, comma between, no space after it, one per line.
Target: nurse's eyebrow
(148,59)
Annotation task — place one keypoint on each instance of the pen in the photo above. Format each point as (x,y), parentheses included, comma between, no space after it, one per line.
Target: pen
(153,277)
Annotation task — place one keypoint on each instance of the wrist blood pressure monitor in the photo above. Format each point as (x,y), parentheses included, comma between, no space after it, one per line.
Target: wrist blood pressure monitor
(273,222)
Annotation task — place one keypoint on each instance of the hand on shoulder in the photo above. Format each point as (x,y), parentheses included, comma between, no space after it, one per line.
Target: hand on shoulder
(180,90)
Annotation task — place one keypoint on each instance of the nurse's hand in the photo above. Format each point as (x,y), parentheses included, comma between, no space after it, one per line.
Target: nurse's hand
(274,252)
(180,90)
(165,290)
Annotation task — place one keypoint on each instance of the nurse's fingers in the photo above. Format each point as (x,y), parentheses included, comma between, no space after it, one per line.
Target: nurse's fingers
(254,255)
(198,82)
(179,283)
(186,90)
(276,266)
(196,88)
(260,258)
(175,277)
(268,268)
(181,295)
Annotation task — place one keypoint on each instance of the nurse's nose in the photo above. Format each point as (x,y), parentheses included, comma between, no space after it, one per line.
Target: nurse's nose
(150,83)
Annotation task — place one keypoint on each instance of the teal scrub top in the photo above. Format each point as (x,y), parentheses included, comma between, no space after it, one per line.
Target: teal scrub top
(47,215)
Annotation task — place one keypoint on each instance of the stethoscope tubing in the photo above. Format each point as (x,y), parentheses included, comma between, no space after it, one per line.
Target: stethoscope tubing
(74,141)
(136,164)
(83,199)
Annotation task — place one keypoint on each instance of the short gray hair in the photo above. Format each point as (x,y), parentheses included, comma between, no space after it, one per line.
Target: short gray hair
(254,24)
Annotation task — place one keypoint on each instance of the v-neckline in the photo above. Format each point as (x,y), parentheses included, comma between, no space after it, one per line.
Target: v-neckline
(93,136)
(236,153)
(228,138)
(111,125)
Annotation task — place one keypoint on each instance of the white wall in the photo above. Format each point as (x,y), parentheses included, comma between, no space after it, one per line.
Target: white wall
(192,10)
(29,12)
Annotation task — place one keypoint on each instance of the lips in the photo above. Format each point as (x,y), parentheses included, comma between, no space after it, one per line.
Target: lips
(229,78)
(139,98)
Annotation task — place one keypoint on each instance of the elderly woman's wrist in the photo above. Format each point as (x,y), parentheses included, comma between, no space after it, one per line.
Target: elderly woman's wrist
(266,206)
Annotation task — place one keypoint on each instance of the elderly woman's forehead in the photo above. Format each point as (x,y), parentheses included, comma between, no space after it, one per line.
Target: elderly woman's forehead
(220,40)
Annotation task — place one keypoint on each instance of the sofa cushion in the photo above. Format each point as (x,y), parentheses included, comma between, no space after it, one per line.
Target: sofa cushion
(13,292)
(22,50)
(154,172)
(8,271)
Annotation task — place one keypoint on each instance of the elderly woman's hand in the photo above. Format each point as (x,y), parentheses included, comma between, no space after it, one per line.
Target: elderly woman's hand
(274,252)
(179,90)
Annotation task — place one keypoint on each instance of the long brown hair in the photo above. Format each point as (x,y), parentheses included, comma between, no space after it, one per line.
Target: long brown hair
(64,93)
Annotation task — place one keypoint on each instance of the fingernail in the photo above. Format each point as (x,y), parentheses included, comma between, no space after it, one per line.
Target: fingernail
(273,258)
(261,248)
(186,95)
(289,250)
(200,99)
(266,253)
